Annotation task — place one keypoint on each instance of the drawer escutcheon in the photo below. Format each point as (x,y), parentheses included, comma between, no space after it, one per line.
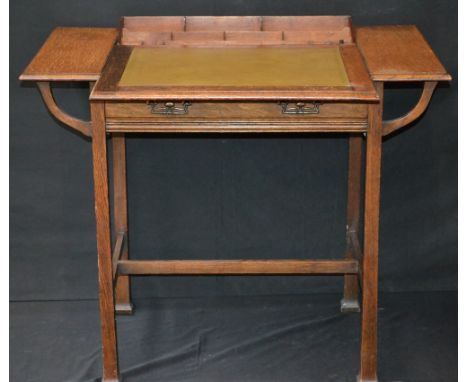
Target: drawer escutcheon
(300,108)
(169,108)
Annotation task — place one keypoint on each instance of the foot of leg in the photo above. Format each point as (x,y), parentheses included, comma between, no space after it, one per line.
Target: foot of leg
(350,306)
(125,309)
(359,379)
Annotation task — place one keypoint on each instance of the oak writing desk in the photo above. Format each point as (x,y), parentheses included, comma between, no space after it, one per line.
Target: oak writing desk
(234,74)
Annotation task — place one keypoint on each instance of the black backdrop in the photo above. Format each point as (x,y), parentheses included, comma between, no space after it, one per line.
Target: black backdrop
(228,196)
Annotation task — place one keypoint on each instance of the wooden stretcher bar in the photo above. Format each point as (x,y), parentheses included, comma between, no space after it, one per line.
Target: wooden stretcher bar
(237,267)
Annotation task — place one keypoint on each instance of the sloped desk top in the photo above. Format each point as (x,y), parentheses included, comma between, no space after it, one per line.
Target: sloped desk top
(231,73)
(235,67)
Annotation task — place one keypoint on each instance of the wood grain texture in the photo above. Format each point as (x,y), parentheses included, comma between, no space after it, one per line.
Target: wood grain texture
(243,37)
(106,284)
(235,117)
(145,38)
(303,23)
(240,127)
(399,53)
(117,252)
(350,302)
(370,263)
(84,127)
(71,54)
(392,125)
(356,69)
(236,267)
(235,30)
(317,37)
(235,111)
(123,301)
(197,36)
(154,23)
(355,247)
(223,23)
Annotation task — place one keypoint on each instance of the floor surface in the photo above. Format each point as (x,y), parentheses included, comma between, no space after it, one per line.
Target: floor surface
(262,338)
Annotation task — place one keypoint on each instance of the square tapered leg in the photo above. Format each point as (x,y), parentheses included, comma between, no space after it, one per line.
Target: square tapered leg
(106,288)
(350,301)
(123,303)
(368,364)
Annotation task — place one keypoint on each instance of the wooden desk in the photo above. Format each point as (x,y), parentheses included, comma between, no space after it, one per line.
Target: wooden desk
(245,75)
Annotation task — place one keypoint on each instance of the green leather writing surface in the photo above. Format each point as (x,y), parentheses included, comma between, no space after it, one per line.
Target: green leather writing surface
(265,66)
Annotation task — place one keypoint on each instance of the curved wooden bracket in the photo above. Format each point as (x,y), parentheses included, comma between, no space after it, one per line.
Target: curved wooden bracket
(84,127)
(397,123)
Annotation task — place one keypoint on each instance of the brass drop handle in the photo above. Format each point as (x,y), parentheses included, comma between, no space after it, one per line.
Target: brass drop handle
(169,108)
(300,107)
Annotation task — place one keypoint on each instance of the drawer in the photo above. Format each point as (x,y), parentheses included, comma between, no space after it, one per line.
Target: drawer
(235,116)
(234,110)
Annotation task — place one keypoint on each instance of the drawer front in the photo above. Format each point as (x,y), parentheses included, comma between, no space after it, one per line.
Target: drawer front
(234,110)
(235,116)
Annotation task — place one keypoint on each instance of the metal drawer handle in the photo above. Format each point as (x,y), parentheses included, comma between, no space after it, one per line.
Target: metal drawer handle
(300,108)
(169,108)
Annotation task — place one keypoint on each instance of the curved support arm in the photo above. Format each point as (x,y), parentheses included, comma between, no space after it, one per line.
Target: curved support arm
(84,127)
(397,123)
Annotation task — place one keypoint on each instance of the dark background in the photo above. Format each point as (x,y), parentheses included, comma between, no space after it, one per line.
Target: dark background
(227,196)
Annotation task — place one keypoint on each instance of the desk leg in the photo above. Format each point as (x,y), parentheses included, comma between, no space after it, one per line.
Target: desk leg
(106,290)
(350,301)
(368,372)
(123,303)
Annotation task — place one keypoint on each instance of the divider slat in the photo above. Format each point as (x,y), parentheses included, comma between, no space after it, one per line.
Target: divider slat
(222,23)
(154,23)
(291,23)
(254,37)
